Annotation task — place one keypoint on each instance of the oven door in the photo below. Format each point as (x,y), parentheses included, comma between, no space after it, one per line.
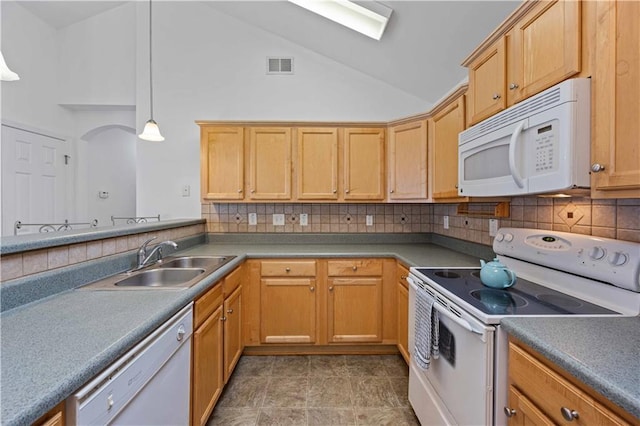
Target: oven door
(457,388)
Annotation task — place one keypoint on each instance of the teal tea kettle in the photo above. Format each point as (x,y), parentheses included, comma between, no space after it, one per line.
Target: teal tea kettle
(494,274)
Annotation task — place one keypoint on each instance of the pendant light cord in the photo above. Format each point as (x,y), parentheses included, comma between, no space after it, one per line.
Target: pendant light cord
(150,63)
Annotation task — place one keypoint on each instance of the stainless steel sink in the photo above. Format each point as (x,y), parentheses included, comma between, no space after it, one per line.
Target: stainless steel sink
(195,262)
(161,278)
(172,273)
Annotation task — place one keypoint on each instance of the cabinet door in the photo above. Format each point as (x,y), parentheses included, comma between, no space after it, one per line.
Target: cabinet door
(270,163)
(207,377)
(222,163)
(616,86)
(408,161)
(355,310)
(363,164)
(317,164)
(232,331)
(403,312)
(545,49)
(445,127)
(487,75)
(524,412)
(288,310)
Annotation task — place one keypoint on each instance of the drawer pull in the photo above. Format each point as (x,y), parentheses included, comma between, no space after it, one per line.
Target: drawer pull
(509,412)
(513,86)
(330,288)
(496,96)
(569,414)
(287,269)
(312,288)
(355,268)
(229,311)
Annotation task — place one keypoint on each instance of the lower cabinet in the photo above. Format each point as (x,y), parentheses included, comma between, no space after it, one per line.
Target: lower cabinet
(402,287)
(217,344)
(55,417)
(539,394)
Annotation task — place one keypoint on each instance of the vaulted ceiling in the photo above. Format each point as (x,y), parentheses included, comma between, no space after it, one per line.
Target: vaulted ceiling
(420,52)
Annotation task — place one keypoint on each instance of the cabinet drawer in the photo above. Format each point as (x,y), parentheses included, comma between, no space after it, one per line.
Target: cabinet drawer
(207,304)
(355,267)
(232,281)
(285,268)
(552,393)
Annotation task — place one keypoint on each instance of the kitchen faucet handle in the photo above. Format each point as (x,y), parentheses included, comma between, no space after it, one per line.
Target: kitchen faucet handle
(144,245)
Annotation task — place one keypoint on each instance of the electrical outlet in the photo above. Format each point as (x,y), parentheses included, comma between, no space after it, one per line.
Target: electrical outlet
(278,219)
(186,190)
(304,219)
(493,227)
(369,220)
(253,218)
(446,222)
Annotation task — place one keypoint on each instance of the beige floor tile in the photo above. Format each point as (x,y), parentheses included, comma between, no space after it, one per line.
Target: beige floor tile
(286,392)
(282,416)
(330,416)
(329,392)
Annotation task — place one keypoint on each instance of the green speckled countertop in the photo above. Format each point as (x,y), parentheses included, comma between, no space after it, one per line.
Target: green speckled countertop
(602,352)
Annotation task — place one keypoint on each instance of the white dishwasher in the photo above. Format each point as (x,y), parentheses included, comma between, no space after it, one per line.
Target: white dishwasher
(149,385)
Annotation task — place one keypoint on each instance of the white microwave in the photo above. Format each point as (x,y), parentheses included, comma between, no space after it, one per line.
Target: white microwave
(539,145)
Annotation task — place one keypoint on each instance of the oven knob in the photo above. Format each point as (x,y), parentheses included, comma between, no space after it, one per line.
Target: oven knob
(618,258)
(499,237)
(508,237)
(597,253)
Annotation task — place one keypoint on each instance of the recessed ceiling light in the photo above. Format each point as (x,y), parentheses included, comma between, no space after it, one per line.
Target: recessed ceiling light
(369,18)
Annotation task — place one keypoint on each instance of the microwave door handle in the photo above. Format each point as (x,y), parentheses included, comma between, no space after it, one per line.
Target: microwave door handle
(512,155)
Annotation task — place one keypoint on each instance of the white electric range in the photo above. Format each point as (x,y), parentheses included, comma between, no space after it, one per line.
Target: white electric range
(558,274)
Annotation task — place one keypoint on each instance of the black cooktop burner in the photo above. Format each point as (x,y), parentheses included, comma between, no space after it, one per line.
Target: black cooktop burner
(524,298)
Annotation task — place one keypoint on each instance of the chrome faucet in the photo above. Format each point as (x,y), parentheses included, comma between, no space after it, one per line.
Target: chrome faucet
(144,258)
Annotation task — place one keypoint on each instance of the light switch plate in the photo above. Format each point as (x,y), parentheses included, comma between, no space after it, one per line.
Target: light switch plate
(253,218)
(493,227)
(278,219)
(446,222)
(304,219)
(369,220)
(186,190)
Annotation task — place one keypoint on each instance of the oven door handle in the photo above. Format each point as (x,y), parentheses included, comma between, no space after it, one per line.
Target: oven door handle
(512,154)
(444,311)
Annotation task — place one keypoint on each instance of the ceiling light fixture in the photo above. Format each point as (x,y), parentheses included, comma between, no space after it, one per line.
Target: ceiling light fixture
(5,73)
(369,18)
(151,131)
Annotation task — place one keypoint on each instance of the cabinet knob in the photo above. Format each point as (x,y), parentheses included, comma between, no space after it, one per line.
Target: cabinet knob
(287,269)
(330,288)
(391,191)
(239,191)
(223,318)
(596,167)
(346,191)
(403,277)
(513,86)
(569,414)
(355,268)
(253,190)
(181,333)
(312,288)
(509,412)
(229,311)
(496,96)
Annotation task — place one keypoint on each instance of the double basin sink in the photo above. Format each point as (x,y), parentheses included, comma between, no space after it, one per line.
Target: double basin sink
(170,273)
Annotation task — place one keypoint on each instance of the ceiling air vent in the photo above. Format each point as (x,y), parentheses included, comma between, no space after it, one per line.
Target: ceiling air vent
(279,65)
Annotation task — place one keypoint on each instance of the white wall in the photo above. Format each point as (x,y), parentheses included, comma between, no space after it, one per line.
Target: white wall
(210,66)
(97,59)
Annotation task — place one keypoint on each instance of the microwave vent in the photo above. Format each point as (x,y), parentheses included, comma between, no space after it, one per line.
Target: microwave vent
(517,112)
(279,65)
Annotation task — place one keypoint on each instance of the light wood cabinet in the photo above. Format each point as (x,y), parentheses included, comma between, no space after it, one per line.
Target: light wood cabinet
(540,395)
(616,86)
(317,163)
(288,303)
(208,354)
(402,288)
(222,163)
(445,126)
(270,163)
(407,161)
(363,164)
(232,317)
(55,417)
(542,48)
(355,300)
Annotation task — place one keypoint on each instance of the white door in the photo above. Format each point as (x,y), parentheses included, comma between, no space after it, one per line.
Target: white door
(34,179)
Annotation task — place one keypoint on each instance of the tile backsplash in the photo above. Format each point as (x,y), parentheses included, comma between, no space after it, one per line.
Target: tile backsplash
(605,218)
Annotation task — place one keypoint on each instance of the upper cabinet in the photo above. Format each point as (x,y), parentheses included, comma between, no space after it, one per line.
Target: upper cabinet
(540,49)
(616,90)
(222,163)
(317,163)
(407,161)
(270,163)
(444,127)
(363,159)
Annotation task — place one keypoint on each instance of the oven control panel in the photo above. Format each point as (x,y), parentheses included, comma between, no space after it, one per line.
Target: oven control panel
(613,261)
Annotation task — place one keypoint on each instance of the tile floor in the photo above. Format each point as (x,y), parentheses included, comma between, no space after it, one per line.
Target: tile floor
(316,390)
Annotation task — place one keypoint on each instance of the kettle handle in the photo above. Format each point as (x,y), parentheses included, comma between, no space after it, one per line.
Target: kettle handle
(512,275)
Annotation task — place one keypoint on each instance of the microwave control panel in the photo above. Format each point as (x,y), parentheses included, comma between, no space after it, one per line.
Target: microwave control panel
(545,141)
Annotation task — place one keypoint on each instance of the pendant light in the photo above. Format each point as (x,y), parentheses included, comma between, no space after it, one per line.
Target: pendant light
(5,73)
(151,131)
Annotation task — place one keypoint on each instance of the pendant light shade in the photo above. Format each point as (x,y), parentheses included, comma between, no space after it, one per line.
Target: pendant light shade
(5,73)
(151,131)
